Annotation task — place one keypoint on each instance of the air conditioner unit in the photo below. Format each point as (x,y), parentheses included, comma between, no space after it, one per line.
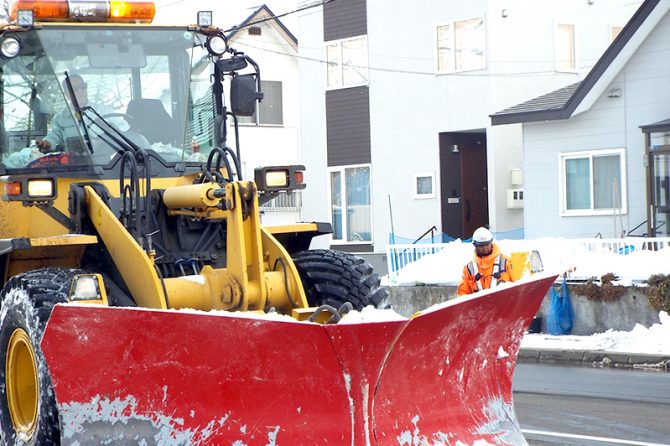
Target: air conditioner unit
(515,198)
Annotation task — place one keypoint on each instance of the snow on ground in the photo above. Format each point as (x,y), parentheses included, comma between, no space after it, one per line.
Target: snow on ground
(652,340)
(446,266)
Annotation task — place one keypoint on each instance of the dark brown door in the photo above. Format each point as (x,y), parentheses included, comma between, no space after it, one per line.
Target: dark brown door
(475,191)
(464,183)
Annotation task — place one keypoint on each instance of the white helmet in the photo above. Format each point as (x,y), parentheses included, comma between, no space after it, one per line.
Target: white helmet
(482,236)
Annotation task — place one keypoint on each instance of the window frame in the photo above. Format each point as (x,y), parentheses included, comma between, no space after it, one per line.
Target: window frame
(420,196)
(452,30)
(339,42)
(591,211)
(557,63)
(343,186)
(255,119)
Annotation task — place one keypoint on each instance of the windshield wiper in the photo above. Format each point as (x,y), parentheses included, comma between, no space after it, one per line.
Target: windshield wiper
(77,109)
(110,134)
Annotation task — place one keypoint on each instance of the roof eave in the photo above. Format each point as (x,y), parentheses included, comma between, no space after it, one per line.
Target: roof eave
(249,21)
(533,116)
(592,78)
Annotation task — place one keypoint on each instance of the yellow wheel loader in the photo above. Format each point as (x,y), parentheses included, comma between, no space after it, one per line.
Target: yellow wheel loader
(143,301)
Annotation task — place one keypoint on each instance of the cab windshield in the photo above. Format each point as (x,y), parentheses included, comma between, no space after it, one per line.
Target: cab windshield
(151,85)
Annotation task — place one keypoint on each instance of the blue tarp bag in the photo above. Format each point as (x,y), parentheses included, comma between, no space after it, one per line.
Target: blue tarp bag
(560,314)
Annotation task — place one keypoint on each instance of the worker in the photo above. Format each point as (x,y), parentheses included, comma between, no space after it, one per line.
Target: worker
(66,131)
(489,267)
(63,125)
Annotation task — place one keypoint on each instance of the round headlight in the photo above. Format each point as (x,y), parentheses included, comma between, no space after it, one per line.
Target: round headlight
(10,47)
(216,45)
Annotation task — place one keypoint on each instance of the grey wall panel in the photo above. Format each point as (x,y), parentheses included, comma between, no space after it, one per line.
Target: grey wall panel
(344,18)
(348,122)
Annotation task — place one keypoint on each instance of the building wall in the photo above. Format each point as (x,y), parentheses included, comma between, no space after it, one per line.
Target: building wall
(410,104)
(610,123)
(277,144)
(312,100)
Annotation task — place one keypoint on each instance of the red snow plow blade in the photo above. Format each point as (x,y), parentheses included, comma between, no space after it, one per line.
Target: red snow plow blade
(137,376)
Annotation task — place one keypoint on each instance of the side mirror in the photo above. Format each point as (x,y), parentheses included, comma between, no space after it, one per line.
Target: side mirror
(243,95)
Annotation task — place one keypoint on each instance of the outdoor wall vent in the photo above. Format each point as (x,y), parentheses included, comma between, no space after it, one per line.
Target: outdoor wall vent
(254,30)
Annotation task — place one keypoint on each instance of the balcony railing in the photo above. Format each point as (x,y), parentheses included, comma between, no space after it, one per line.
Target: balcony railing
(284,202)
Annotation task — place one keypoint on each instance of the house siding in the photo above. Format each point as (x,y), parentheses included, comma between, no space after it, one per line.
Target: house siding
(410,105)
(268,145)
(348,124)
(313,122)
(344,18)
(610,123)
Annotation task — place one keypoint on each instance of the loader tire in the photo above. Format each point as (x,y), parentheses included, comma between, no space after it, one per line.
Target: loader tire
(334,278)
(28,411)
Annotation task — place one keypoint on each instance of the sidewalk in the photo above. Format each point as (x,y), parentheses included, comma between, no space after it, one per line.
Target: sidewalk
(596,358)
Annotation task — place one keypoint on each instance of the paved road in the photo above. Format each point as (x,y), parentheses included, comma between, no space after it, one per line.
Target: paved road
(569,405)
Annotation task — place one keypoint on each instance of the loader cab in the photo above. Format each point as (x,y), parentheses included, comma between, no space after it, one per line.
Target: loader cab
(151,84)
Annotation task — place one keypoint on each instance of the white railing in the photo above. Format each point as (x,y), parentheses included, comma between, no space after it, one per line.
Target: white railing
(284,202)
(401,255)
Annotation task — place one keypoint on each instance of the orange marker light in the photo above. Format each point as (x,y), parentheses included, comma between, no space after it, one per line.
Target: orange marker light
(128,11)
(43,9)
(12,188)
(78,10)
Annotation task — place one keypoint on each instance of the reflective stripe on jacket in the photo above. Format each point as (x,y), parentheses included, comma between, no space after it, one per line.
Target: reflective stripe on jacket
(485,272)
(499,265)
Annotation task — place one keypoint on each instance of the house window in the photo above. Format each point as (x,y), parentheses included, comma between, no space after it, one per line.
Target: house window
(347,62)
(461,46)
(424,185)
(269,111)
(566,59)
(351,212)
(593,183)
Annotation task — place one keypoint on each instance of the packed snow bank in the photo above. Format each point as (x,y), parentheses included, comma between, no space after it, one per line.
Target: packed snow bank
(652,340)
(558,256)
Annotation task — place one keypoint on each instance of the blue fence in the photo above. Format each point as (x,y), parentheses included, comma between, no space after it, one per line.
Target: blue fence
(405,256)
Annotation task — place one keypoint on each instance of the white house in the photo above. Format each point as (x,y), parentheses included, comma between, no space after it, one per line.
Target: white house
(597,153)
(396,98)
(272,135)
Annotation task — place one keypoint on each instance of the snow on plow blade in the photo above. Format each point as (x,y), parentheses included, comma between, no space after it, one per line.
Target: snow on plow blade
(443,377)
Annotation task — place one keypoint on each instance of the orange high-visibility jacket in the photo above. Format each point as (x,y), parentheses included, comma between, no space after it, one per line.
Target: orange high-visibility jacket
(477,274)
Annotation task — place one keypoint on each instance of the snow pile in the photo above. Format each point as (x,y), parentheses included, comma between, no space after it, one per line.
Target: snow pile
(442,268)
(652,340)
(558,256)
(371,314)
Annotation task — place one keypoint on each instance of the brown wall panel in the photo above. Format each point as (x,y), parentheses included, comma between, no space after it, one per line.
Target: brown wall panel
(348,126)
(344,18)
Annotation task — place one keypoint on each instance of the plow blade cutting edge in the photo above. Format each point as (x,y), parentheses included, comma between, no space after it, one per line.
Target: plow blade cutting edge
(443,377)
